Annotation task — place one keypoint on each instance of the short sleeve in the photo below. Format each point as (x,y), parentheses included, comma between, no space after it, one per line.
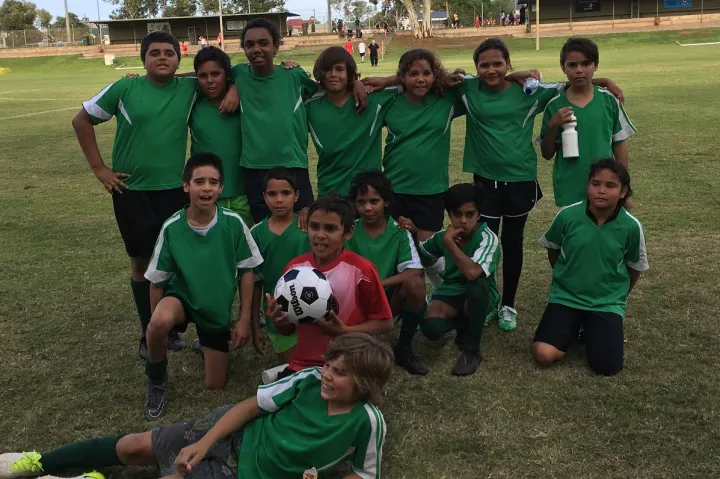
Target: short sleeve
(274,396)
(255,233)
(454,94)
(552,239)
(373,300)
(622,126)
(408,257)
(162,265)
(546,92)
(106,104)
(636,251)
(308,85)
(432,247)
(385,97)
(547,116)
(247,254)
(484,254)
(367,460)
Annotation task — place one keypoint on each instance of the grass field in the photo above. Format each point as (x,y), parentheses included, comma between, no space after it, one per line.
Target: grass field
(69,330)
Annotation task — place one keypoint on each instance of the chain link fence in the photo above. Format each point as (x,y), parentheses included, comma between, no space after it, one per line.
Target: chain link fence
(52,37)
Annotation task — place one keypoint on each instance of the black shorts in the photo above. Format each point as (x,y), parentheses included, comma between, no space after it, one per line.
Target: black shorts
(218,341)
(254,189)
(426,211)
(141,214)
(603,333)
(362,54)
(456,302)
(511,199)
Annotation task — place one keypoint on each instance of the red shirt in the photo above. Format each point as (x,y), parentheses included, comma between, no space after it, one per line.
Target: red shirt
(349,47)
(359,293)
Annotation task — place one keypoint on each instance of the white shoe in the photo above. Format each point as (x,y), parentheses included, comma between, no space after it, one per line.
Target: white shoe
(20,464)
(87,475)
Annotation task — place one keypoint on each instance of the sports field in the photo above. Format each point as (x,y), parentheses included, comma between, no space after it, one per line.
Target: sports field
(68,327)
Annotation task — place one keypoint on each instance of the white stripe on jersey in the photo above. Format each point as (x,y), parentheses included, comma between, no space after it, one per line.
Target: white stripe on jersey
(485,253)
(256,258)
(377,112)
(373,452)
(414,262)
(153,274)
(450,117)
(627,129)
(93,109)
(642,264)
(265,394)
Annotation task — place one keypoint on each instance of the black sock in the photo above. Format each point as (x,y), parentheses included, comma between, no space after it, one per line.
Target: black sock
(156,371)
(88,455)
(141,294)
(410,320)
(477,304)
(512,254)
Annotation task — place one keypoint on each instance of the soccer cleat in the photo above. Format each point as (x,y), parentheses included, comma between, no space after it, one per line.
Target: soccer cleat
(507,319)
(491,316)
(20,464)
(155,399)
(87,475)
(143,349)
(406,359)
(466,364)
(175,342)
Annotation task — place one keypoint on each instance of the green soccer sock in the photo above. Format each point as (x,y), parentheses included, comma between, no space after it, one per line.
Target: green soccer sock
(141,294)
(85,455)
(477,303)
(411,318)
(156,371)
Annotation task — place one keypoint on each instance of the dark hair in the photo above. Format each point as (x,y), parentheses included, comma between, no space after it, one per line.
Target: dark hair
(202,159)
(158,37)
(331,57)
(375,179)
(581,45)
(492,44)
(337,205)
(280,173)
(618,169)
(213,54)
(463,193)
(418,54)
(271,27)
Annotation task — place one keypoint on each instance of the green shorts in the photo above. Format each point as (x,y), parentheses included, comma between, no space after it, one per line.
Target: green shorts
(281,343)
(240,205)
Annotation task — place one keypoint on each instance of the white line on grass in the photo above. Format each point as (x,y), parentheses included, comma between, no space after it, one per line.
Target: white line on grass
(18,91)
(696,44)
(38,113)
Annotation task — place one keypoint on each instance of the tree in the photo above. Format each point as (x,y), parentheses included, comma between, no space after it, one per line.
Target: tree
(74,21)
(254,6)
(17,15)
(44,19)
(134,9)
(352,9)
(181,8)
(413,17)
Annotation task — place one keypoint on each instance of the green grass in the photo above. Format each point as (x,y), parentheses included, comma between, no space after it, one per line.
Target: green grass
(69,329)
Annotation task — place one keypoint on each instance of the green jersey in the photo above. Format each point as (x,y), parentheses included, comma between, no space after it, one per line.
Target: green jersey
(392,252)
(347,142)
(499,129)
(277,251)
(213,132)
(200,265)
(591,271)
(294,433)
(151,135)
(417,147)
(601,125)
(482,248)
(274,124)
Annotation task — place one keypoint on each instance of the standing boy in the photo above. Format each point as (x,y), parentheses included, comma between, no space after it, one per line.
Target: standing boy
(361,51)
(602,124)
(201,254)
(374,49)
(363,307)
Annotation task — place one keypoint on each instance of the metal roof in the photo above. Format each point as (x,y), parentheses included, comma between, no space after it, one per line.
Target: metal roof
(213,17)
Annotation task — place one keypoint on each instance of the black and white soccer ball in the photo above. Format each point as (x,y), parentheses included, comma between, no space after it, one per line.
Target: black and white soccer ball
(305,294)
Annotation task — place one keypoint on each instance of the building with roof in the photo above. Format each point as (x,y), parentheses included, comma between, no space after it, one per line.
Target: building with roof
(552,11)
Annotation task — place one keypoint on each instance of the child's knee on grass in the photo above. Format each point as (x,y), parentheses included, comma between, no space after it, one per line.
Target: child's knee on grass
(216,368)
(605,364)
(136,449)
(546,354)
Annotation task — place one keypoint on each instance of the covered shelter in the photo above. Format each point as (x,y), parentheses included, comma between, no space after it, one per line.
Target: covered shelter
(563,11)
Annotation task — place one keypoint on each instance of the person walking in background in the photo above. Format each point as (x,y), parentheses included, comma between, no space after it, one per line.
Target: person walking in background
(349,46)
(456,20)
(374,49)
(477,21)
(203,42)
(219,40)
(361,51)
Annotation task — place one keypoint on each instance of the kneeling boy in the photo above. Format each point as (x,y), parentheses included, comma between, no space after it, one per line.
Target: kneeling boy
(201,254)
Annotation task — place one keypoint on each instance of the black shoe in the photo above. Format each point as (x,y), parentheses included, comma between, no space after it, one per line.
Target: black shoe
(155,399)
(405,358)
(175,342)
(466,364)
(460,339)
(197,348)
(142,349)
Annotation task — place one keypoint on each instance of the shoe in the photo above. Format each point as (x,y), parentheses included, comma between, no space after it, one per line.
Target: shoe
(507,319)
(197,348)
(155,399)
(87,475)
(405,358)
(20,464)
(175,342)
(466,364)
(460,338)
(492,315)
(142,349)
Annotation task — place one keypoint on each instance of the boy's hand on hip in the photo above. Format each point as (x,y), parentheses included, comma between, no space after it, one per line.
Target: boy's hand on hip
(110,179)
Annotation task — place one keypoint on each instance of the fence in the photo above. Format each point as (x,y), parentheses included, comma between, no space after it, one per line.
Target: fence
(52,37)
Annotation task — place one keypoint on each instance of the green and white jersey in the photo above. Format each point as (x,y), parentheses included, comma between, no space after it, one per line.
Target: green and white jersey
(601,124)
(347,142)
(214,132)
(482,249)
(201,264)
(294,433)
(392,252)
(274,124)
(151,135)
(499,129)
(417,147)
(277,251)
(591,272)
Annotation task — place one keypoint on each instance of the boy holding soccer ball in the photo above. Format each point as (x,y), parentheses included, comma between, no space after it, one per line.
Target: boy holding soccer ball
(202,253)
(363,306)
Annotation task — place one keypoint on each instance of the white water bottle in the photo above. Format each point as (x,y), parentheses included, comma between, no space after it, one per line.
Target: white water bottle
(531,86)
(570,147)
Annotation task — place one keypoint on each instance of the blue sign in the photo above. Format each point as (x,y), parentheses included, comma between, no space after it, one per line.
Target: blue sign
(678,3)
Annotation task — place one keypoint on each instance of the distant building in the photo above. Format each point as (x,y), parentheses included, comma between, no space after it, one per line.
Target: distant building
(585,10)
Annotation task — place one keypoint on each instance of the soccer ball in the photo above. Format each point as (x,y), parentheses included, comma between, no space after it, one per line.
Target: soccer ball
(305,294)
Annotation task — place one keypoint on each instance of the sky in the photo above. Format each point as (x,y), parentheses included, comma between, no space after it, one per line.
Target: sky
(88,8)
